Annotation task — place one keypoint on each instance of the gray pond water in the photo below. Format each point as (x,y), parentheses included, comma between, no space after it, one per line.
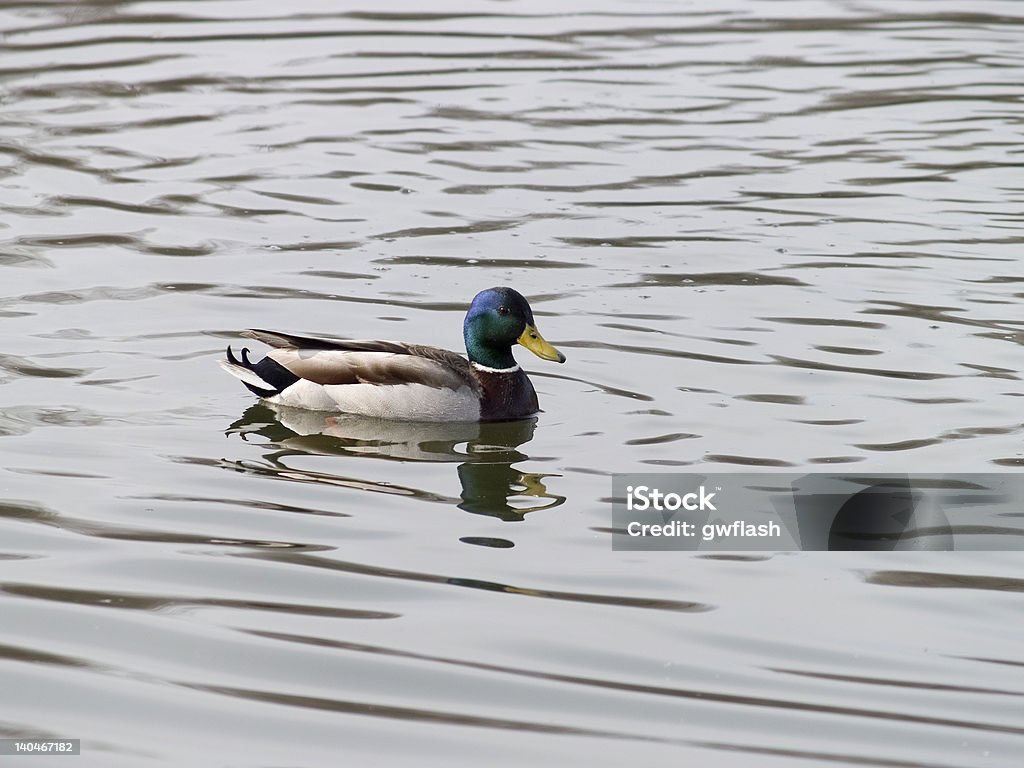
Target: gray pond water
(768,236)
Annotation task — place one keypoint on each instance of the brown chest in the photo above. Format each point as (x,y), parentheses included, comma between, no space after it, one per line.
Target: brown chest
(506,395)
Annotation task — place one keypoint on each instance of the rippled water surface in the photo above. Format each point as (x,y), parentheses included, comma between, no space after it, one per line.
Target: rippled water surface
(765,234)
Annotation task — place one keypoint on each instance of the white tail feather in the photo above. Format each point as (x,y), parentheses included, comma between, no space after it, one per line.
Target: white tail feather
(245,375)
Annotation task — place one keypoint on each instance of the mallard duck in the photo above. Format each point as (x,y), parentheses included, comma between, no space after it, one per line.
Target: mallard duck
(395,380)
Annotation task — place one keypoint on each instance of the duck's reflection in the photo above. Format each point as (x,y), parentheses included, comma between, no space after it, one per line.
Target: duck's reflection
(485,452)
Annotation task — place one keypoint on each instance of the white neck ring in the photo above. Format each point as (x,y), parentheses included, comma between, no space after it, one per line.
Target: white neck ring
(488,369)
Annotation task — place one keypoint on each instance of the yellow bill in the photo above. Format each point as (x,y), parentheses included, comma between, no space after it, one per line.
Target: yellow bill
(533,341)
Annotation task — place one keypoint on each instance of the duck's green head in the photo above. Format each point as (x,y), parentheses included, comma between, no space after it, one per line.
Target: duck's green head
(497,319)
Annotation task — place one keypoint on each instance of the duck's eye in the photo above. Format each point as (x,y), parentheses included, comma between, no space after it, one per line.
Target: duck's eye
(503,310)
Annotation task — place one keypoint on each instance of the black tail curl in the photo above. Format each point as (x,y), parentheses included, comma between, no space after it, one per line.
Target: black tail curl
(272,372)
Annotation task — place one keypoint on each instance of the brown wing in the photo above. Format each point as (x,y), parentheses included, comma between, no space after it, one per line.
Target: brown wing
(289,341)
(438,369)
